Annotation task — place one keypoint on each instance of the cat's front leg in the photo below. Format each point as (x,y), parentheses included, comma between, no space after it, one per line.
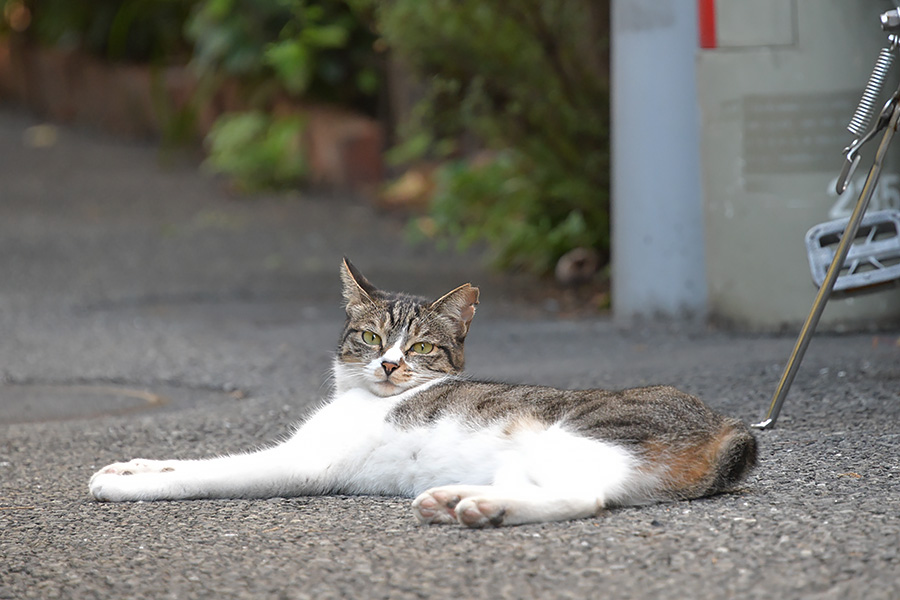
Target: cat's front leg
(310,462)
(276,472)
(140,479)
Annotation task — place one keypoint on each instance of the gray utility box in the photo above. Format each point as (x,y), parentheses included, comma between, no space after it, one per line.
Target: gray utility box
(777,87)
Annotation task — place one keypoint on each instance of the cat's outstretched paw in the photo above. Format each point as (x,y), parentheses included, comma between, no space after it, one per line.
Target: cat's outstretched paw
(111,484)
(137,466)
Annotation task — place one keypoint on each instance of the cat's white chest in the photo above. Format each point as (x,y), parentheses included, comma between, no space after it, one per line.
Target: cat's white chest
(352,440)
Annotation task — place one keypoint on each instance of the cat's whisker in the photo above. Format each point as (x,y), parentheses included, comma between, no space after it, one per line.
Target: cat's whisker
(328,384)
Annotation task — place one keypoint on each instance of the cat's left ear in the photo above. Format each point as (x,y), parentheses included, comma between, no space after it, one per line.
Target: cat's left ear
(459,306)
(357,289)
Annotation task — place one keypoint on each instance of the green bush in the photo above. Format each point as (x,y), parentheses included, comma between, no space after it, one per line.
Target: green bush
(132,30)
(276,52)
(278,49)
(504,201)
(258,150)
(527,78)
(311,49)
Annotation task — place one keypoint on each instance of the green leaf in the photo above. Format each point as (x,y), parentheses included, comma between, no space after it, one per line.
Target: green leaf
(258,151)
(218,9)
(325,36)
(292,62)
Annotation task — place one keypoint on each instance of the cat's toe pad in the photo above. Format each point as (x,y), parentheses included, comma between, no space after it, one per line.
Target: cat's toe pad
(136,466)
(480,512)
(459,504)
(435,507)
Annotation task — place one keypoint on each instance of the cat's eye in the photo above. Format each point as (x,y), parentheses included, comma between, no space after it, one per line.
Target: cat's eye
(422,347)
(371,338)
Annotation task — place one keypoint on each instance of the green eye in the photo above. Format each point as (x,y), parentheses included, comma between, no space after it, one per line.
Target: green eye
(371,338)
(422,347)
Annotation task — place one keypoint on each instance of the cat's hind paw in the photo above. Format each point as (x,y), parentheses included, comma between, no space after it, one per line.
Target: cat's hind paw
(435,507)
(480,512)
(470,506)
(479,506)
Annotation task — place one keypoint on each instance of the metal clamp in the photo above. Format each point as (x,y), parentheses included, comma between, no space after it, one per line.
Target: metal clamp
(851,152)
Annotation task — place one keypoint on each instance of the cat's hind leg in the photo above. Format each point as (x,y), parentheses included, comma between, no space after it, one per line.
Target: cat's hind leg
(494,506)
(545,475)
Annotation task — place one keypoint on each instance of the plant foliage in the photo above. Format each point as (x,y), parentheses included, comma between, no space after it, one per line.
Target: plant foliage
(302,48)
(258,150)
(527,78)
(272,53)
(129,30)
(277,49)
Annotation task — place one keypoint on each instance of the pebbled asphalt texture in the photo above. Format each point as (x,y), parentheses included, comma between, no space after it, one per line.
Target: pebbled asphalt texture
(145,311)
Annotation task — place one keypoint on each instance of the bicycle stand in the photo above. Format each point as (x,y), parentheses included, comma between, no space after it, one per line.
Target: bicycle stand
(888,121)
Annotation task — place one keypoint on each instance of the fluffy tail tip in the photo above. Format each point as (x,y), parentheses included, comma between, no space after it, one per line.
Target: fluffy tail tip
(737,457)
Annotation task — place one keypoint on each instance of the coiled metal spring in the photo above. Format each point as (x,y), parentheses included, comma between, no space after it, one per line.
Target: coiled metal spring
(869,102)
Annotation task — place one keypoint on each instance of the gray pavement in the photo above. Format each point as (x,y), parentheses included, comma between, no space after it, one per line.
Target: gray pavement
(144,311)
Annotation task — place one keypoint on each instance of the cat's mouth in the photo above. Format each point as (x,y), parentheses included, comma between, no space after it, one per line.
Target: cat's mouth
(390,382)
(386,388)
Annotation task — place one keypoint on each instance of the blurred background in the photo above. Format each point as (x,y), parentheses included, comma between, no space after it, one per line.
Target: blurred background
(504,105)
(488,126)
(180,178)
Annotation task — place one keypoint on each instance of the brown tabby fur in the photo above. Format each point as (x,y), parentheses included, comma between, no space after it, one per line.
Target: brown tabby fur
(696,451)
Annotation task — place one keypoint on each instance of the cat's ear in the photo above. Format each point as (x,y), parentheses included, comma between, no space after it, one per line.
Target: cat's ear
(357,289)
(458,306)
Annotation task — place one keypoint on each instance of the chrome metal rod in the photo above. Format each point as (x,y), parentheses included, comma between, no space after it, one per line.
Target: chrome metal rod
(806,332)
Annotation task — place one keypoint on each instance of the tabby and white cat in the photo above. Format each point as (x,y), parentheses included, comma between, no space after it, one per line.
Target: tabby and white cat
(404,421)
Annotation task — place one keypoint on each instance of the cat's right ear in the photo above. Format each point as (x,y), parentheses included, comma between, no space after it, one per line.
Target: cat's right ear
(357,289)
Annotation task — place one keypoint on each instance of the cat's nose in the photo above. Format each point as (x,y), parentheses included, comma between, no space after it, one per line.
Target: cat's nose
(389,367)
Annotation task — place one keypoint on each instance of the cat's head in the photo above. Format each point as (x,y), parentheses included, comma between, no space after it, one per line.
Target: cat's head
(393,342)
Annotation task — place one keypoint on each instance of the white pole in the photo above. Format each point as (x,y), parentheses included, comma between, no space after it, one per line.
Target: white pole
(658,265)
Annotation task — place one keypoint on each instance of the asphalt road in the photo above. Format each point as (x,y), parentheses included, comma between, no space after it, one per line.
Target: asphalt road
(146,312)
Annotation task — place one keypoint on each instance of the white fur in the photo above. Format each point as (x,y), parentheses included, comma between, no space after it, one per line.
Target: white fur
(486,476)
(393,354)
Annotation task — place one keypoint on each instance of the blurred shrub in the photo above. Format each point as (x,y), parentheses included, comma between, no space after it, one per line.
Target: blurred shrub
(132,30)
(258,150)
(522,209)
(302,48)
(270,53)
(278,50)
(526,78)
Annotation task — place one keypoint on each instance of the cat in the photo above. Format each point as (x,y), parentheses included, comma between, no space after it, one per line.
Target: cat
(404,421)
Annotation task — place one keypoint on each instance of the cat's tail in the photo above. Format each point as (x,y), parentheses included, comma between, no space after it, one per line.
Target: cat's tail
(734,457)
(716,464)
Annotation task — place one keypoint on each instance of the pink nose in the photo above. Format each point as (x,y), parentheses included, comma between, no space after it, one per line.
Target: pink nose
(389,367)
